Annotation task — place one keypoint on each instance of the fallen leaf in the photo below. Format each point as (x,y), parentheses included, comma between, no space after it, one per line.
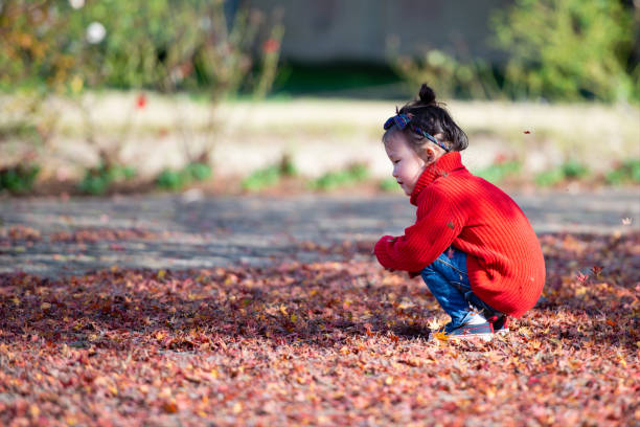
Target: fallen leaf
(170,407)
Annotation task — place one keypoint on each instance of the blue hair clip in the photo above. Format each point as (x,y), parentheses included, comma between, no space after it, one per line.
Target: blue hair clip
(401,121)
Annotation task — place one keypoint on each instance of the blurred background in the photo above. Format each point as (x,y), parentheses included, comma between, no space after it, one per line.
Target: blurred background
(114,96)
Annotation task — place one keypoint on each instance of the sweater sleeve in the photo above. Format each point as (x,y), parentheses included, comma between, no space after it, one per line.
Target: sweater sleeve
(437,225)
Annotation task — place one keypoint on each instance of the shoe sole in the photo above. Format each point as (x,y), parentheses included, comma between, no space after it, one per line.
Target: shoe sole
(484,337)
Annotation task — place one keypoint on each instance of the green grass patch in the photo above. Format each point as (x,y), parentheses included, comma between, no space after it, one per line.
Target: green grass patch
(389,185)
(19,179)
(627,172)
(571,170)
(198,171)
(331,180)
(498,172)
(549,178)
(170,179)
(270,176)
(262,178)
(98,180)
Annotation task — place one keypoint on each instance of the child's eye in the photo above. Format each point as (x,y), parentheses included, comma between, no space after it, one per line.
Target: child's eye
(396,161)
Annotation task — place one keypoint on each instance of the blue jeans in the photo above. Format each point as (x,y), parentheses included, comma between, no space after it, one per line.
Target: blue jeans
(448,281)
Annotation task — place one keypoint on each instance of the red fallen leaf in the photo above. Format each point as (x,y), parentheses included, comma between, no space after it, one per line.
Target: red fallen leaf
(441,336)
(527,132)
(66,380)
(394,338)
(450,253)
(191,310)
(533,380)
(411,362)
(170,407)
(596,270)
(21,406)
(367,329)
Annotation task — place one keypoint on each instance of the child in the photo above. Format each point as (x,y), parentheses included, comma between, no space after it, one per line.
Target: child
(471,243)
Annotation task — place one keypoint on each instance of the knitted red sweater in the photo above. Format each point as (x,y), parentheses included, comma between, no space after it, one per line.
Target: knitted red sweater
(504,259)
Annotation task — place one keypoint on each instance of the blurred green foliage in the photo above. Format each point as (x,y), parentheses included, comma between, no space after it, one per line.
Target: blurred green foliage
(170,179)
(98,180)
(448,76)
(351,175)
(157,44)
(56,47)
(338,78)
(549,178)
(628,172)
(287,166)
(389,185)
(198,171)
(570,170)
(569,49)
(500,171)
(18,179)
(262,178)
(573,169)
(270,175)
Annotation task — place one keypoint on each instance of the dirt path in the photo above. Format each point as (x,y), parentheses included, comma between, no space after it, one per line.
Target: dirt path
(53,238)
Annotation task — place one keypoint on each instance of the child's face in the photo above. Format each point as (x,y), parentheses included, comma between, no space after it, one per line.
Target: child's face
(407,165)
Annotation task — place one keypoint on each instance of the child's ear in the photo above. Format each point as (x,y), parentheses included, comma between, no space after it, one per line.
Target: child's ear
(430,154)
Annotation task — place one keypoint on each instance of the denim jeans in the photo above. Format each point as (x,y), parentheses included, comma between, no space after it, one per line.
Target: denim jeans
(448,281)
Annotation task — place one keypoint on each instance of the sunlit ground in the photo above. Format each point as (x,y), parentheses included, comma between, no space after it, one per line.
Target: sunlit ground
(324,343)
(318,134)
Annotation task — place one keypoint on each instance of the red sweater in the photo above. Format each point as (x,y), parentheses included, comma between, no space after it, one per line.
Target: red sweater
(504,259)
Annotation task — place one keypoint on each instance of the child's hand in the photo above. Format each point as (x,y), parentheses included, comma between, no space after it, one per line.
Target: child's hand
(388,239)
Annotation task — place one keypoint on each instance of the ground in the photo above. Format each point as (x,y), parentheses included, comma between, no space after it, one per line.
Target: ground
(188,310)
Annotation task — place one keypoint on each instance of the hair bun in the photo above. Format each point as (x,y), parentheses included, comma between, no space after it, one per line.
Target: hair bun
(427,95)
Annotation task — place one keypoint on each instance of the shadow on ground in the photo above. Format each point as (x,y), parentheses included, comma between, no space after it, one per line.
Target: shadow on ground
(592,280)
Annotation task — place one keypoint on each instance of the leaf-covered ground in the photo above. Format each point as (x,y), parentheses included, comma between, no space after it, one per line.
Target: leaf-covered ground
(330,343)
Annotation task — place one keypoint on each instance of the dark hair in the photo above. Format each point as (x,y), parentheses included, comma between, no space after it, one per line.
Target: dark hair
(429,115)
